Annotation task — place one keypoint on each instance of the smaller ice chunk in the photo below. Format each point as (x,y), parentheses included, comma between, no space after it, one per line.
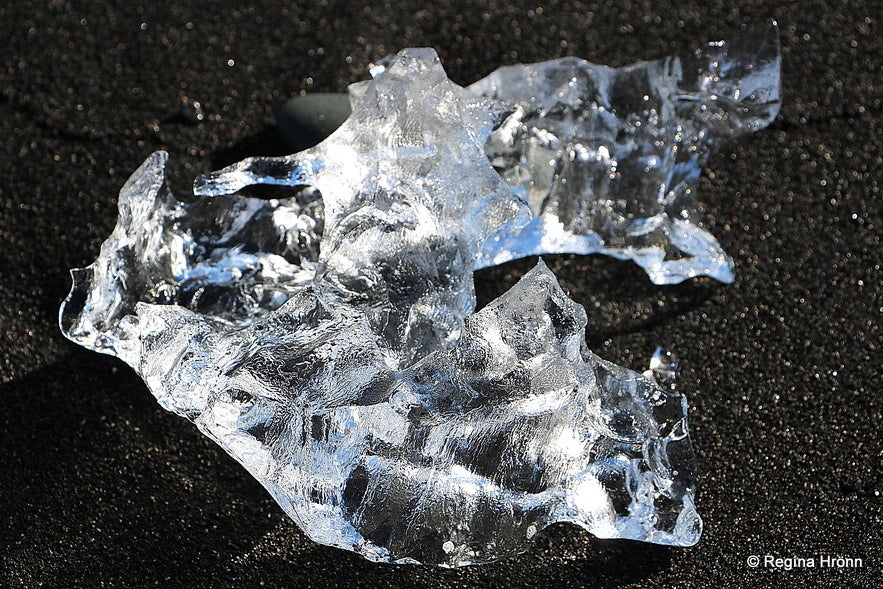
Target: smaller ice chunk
(608,158)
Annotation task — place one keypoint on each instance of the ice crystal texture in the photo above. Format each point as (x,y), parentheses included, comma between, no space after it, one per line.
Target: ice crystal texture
(607,158)
(328,340)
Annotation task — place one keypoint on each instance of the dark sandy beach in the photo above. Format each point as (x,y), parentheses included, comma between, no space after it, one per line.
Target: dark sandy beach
(102,487)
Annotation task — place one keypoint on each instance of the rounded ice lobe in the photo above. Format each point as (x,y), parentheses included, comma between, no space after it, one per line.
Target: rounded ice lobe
(327,340)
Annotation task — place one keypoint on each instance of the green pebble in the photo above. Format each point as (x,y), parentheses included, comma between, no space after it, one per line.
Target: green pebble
(306,120)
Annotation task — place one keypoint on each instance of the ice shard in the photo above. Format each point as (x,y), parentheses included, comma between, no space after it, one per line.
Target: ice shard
(328,341)
(608,158)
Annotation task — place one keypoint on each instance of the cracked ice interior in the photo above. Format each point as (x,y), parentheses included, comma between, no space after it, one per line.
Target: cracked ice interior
(329,343)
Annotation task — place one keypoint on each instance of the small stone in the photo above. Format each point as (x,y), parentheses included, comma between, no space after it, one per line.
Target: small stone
(306,120)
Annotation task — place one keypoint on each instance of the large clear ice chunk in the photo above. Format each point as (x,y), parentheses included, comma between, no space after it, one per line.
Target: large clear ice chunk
(327,341)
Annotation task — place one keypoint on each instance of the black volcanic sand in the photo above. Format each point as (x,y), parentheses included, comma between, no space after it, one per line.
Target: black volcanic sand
(101,487)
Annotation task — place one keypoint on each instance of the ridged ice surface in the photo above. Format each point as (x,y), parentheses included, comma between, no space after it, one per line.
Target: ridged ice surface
(328,341)
(607,158)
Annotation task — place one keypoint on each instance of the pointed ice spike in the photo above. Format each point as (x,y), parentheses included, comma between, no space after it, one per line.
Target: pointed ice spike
(285,171)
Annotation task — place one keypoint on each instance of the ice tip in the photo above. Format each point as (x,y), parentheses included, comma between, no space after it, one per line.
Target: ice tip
(223,181)
(158,158)
(539,274)
(75,301)
(209,184)
(689,525)
(278,171)
(763,39)
(541,266)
